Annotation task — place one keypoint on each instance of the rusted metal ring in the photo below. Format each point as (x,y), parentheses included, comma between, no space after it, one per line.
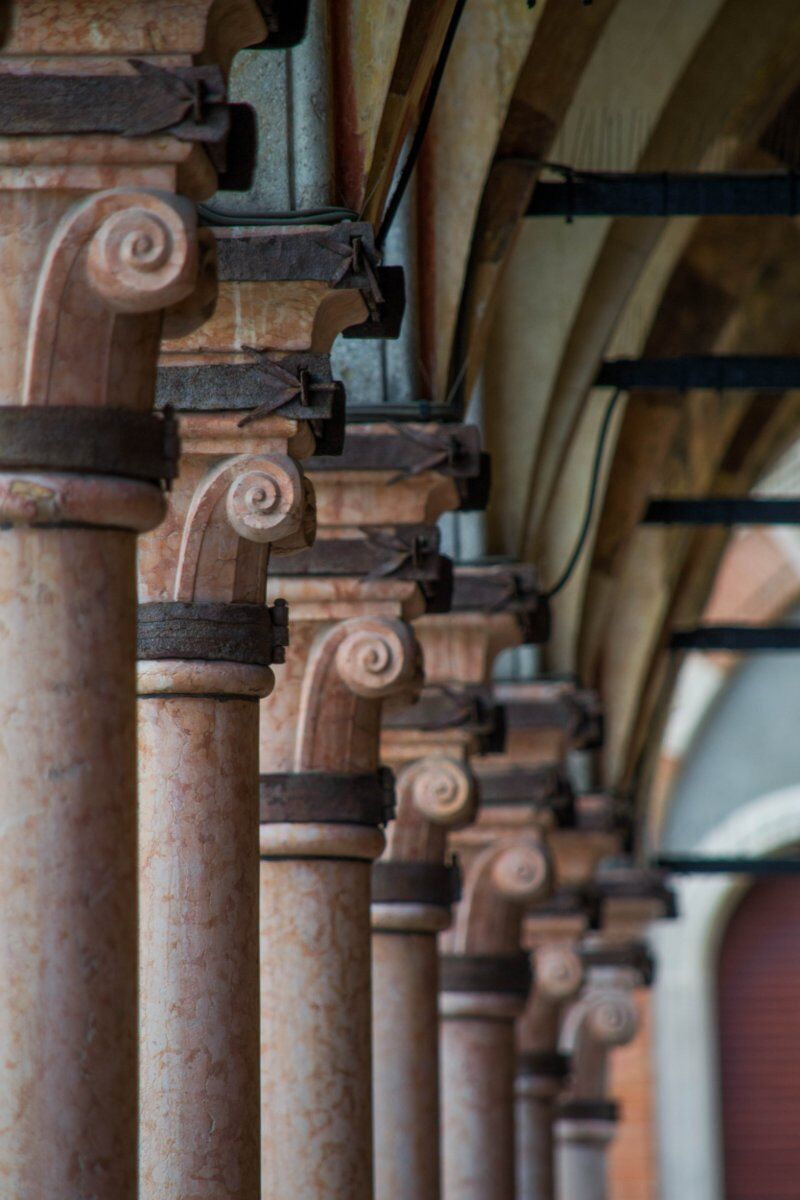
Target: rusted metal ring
(635,955)
(241,633)
(587,1110)
(546,789)
(547,1063)
(187,102)
(327,797)
(509,974)
(90,441)
(416,883)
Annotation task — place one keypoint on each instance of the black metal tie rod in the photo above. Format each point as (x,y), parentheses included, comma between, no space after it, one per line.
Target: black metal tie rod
(743,638)
(722,510)
(667,194)
(715,372)
(699,864)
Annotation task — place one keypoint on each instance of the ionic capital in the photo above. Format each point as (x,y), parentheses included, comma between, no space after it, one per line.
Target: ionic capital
(559,972)
(547,718)
(110,265)
(604,1016)
(438,789)
(500,882)
(225,514)
(347,672)
(375,657)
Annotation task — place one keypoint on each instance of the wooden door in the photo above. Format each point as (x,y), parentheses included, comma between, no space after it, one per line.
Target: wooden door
(759,1031)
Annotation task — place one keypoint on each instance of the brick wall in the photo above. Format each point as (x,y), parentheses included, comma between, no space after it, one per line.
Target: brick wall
(633,1167)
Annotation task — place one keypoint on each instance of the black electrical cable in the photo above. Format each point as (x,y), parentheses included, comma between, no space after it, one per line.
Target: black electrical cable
(566,574)
(211,215)
(422,128)
(311,216)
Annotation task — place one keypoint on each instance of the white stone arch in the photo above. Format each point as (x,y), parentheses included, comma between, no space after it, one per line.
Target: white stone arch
(688,1102)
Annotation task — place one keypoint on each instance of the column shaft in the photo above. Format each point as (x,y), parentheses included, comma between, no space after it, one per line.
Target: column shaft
(534,1134)
(406,1073)
(581,1158)
(67,861)
(316,997)
(199,971)
(477,1064)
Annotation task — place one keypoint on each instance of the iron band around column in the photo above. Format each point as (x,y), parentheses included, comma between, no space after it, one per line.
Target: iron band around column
(544,1063)
(416,883)
(509,974)
(186,102)
(242,633)
(327,797)
(89,441)
(637,955)
(587,1110)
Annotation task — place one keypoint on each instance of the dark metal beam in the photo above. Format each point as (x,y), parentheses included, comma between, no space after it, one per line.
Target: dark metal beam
(697,864)
(716,372)
(745,638)
(667,194)
(722,510)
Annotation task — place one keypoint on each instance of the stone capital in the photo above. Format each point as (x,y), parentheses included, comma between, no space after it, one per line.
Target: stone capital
(377,505)
(629,898)
(605,1014)
(240,496)
(559,973)
(494,608)
(601,825)
(285,294)
(326,715)
(500,881)
(547,718)
(204,625)
(95,244)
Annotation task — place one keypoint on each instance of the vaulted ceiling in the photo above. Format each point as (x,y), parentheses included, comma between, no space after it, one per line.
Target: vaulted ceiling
(531,306)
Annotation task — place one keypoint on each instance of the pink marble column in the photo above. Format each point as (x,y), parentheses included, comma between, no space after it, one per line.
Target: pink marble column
(94,246)
(603,1017)
(431,747)
(477,1063)
(321,828)
(485,978)
(539,1079)
(316,1003)
(406,1048)
(206,642)
(199,929)
(374,567)
(583,1133)
(541,1070)
(413,887)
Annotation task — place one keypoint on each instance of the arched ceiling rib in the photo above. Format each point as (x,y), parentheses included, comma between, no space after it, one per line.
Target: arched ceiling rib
(669,85)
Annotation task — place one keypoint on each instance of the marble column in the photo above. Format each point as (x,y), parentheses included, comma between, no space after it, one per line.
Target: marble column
(603,1017)
(375,566)
(541,1070)
(95,244)
(538,1081)
(412,889)
(206,644)
(485,979)
(254,394)
(322,825)
(430,745)
(583,1133)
